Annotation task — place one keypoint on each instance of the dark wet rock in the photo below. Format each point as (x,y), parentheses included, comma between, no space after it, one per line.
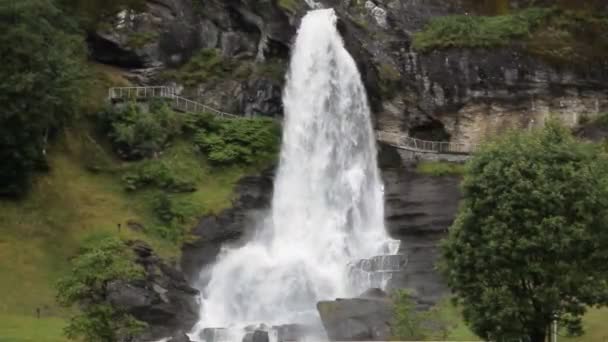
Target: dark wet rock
(162,299)
(261,97)
(419,209)
(291,332)
(357,319)
(256,336)
(214,334)
(374,293)
(253,195)
(180,337)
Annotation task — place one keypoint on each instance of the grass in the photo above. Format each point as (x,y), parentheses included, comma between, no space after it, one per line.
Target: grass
(479,31)
(39,234)
(561,36)
(438,168)
(594,323)
(15,328)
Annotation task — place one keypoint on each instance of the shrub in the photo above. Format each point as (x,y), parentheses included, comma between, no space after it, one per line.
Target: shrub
(242,141)
(101,260)
(136,133)
(159,174)
(479,31)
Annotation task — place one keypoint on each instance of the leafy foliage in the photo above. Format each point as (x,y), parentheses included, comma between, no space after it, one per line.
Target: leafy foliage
(137,133)
(40,88)
(208,65)
(159,174)
(243,141)
(479,31)
(410,324)
(558,35)
(529,242)
(101,260)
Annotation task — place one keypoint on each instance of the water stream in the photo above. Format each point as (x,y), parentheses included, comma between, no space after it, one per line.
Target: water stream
(327,211)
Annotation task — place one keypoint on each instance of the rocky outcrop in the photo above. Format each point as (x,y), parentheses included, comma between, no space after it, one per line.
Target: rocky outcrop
(230,226)
(462,95)
(419,209)
(162,299)
(366,318)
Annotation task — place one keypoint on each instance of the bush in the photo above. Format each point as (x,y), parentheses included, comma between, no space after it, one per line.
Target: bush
(572,37)
(136,133)
(409,324)
(479,31)
(242,141)
(159,174)
(101,260)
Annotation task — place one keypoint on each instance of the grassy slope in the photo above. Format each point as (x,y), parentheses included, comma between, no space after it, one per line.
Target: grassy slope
(40,233)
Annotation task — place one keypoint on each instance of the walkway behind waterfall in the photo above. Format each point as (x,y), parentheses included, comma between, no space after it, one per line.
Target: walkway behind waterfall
(422,148)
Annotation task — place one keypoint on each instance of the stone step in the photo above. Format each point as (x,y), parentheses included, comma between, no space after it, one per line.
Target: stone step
(389,262)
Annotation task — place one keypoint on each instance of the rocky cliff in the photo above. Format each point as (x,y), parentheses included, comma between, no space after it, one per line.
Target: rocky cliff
(458,94)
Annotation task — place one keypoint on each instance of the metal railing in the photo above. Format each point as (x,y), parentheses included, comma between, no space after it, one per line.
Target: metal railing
(424,146)
(177,102)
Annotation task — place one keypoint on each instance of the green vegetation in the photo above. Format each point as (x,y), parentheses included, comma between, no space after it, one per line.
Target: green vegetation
(438,168)
(528,242)
(390,80)
(290,5)
(244,142)
(40,88)
(137,133)
(17,328)
(209,65)
(441,322)
(479,31)
(138,40)
(558,35)
(91,13)
(101,260)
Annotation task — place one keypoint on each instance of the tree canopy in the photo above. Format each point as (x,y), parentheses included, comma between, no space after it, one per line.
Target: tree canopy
(530,242)
(42,68)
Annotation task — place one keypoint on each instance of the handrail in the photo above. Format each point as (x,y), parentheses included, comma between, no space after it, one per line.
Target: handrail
(178,102)
(186,105)
(425,146)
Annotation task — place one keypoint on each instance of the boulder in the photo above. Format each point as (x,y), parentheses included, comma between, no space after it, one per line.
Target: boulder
(357,319)
(256,336)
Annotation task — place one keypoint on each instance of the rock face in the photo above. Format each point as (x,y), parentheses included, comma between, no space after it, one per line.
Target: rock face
(462,95)
(231,226)
(162,299)
(367,318)
(419,210)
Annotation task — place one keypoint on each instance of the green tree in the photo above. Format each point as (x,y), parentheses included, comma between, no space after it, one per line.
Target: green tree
(101,261)
(40,84)
(529,243)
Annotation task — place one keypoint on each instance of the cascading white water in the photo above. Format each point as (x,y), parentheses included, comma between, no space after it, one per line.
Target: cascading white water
(327,208)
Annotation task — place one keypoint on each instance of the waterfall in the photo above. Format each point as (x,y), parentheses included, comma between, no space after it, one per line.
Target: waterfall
(327,209)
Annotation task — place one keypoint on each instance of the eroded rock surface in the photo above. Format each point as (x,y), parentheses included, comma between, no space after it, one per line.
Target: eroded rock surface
(162,299)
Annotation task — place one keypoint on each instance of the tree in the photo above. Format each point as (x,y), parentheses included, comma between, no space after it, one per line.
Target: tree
(40,84)
(529,243)
(101,261)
